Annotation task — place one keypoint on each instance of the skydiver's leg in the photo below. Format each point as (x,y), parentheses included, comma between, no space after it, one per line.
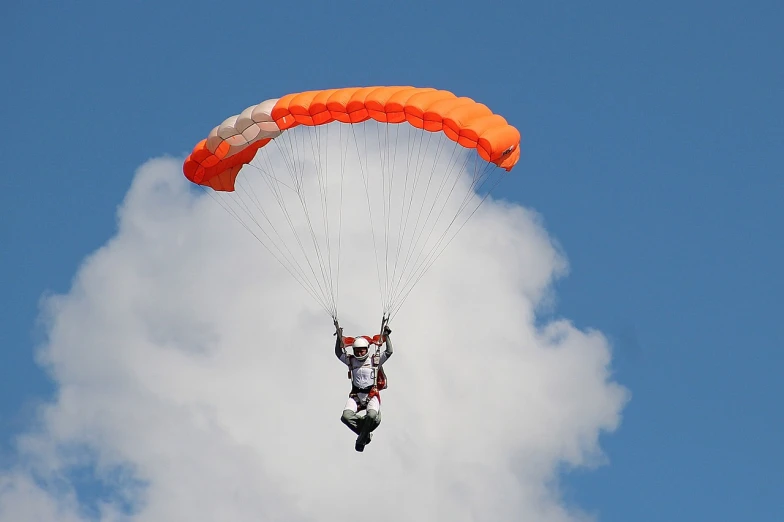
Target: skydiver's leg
(352,420)
(372,420)
(373,415)
(350,417)
(369,423)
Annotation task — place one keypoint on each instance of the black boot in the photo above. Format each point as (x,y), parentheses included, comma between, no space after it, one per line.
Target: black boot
(360,444)
(362,441)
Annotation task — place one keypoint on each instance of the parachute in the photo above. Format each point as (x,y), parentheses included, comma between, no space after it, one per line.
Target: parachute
(292,171)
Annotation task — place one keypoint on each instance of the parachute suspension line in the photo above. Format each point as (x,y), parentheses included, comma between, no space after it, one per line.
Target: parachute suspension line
(438,254)
(276,193)
(387,188)
(391,150)
(326,273)
(487,170)
(403,220)
(296,266)
(367,179)
(415,180)
(303,202)
(417,232)
(369,203)
(424,261)
(481,173)
(378,168)
(447,174)
(299,170)
(387,184)
(322,170)
(233,213)
(384,206)
(343,154)
(326,276)
(417,174)
(291,164)
(404,216)
(327,230)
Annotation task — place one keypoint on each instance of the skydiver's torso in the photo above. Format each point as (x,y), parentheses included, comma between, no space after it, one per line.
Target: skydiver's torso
(362,371)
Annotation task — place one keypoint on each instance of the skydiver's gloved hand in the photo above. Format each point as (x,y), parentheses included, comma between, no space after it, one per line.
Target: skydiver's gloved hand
(387,340)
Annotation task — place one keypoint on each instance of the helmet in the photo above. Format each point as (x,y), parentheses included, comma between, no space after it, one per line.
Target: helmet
(359,343)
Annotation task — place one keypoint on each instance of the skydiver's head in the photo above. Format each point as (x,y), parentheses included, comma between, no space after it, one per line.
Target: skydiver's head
(360,348)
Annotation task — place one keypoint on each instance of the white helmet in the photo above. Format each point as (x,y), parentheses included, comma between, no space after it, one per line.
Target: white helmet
(360,342)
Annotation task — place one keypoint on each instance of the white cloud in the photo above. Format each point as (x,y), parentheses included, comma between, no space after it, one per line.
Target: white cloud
(196,380)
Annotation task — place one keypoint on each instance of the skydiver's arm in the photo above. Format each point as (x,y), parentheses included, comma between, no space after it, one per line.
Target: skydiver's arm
(339,343)
(388,345)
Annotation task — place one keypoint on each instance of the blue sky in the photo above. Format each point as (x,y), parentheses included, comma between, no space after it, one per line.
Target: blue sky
(652,138)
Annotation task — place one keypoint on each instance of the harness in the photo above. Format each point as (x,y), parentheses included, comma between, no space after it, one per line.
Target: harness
(379,377)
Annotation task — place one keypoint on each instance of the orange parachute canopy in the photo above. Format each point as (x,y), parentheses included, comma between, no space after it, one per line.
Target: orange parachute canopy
(421,182)
(216,160)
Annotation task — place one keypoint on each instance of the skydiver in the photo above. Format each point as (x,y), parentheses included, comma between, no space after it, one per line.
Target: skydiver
(367,376)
